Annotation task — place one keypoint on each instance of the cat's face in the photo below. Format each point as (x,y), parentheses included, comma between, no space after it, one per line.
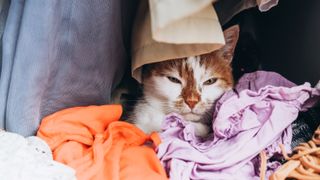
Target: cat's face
(190,86)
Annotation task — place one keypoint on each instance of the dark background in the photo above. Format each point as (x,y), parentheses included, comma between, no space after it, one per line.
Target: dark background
(285,39)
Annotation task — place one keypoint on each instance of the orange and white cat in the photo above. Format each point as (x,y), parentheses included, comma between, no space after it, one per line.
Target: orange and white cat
(187,86)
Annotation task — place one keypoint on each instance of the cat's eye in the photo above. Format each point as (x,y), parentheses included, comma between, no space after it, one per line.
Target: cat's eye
(174,80)
(210,81)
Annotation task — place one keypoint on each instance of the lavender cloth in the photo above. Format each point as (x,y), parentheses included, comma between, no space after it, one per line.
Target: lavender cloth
(247,122)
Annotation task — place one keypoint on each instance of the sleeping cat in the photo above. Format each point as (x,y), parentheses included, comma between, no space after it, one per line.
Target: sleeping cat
(187,86)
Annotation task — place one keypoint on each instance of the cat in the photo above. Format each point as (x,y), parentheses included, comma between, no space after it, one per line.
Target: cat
(186,86)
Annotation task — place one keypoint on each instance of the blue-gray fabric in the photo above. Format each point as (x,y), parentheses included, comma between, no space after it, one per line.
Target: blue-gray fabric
(4,7)
(58,54)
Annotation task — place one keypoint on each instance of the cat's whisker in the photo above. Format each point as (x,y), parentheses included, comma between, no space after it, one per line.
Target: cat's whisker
(175,85)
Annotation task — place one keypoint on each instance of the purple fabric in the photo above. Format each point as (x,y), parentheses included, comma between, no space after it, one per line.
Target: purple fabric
(256,117)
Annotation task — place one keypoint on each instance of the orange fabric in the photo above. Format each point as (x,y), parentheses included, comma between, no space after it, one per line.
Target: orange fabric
(98,146)
(155,138)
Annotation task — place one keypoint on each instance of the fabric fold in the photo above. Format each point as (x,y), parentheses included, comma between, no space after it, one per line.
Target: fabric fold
(163,31)
(193,22)
(29,158)
(98,146)
(58,54)
(254,117)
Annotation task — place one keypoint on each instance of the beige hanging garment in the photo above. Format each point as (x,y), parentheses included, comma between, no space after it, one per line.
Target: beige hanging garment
(172,29)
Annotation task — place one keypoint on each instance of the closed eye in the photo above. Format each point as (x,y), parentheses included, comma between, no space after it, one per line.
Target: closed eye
(210,81)
(174,80)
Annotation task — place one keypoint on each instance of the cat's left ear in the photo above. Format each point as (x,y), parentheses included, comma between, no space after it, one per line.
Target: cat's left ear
(231,36)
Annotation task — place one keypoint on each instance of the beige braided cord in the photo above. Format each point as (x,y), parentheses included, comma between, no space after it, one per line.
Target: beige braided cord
(263,166)
(304,164)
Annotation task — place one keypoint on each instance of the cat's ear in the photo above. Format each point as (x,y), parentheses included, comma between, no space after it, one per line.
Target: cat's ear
(231,36)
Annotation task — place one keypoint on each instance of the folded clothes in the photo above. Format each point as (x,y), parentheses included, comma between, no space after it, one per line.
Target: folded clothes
(254,117)
(98,146)
(29,158)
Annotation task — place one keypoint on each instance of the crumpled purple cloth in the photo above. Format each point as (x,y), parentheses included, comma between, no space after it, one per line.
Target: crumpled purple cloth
(255,116)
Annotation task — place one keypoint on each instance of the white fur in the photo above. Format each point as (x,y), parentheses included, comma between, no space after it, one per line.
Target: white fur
(149,116)
(160,95)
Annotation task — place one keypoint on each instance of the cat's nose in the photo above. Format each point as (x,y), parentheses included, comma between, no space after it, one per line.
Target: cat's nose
(191,103)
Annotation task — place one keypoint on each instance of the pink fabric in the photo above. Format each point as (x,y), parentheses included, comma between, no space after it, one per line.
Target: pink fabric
(245,123)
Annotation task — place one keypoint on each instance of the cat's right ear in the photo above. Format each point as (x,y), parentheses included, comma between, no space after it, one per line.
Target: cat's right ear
(231,36)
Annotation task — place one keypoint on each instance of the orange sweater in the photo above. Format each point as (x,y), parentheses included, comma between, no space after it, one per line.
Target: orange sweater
(98,146)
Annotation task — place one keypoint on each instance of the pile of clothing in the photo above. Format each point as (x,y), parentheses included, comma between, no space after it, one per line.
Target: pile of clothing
(71,68)
(91,143)
(256,116)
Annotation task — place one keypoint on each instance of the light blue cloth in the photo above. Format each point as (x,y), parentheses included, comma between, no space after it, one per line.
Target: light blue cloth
(58,54)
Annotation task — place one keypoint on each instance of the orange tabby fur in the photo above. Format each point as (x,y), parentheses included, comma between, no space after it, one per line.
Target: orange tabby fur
(188,86)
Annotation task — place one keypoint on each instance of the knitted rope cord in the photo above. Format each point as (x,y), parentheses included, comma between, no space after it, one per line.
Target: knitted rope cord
(303,164)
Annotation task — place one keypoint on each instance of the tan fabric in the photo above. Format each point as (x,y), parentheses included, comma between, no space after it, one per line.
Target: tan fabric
(183,22)
(181,29)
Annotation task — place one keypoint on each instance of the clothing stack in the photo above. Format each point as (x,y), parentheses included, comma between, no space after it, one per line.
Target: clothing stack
(60,61)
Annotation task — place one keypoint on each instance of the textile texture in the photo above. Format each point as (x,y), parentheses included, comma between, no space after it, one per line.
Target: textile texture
(58,54)
(29,158)
(98,146)
(254,117)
